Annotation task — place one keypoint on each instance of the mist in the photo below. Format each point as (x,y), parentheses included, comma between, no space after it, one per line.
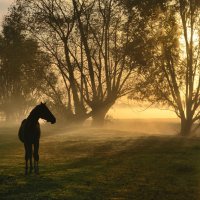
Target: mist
(100,99)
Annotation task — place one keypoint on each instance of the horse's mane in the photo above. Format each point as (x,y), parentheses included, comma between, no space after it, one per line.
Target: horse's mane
(33,111)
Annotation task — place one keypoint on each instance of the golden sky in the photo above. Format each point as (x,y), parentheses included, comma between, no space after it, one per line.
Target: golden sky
(129,110)
(4,5)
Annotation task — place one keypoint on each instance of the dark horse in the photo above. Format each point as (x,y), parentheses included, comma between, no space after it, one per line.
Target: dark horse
(29,134)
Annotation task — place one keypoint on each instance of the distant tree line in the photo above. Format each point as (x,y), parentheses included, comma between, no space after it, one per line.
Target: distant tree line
(83,55)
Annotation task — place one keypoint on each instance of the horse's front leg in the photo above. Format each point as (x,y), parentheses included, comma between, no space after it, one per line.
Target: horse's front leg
(26,167)
(31,164)
(36,167)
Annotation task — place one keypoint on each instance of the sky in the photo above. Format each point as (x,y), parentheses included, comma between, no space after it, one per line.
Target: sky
(4,5)
(126,109)
(122,109)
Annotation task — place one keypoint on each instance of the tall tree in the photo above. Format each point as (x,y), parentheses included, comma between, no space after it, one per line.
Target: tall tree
(170,68)
(51,23)
(87,41)
(15,53)
(104,35)
(20,59)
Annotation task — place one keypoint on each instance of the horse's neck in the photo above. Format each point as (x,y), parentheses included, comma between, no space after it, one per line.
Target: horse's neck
(33,117)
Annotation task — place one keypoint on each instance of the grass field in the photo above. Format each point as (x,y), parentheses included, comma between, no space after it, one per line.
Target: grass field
(109,163)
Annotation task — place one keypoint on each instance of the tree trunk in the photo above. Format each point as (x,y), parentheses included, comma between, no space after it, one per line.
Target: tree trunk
(98,116)
(186,126)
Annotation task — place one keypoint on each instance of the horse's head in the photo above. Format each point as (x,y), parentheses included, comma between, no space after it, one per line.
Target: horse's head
(46,114)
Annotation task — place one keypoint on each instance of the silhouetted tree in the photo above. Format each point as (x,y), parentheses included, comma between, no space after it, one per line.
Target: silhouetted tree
(51,23)
(169,48)
(87,41)
(21,64)
(104,35)
(16,53)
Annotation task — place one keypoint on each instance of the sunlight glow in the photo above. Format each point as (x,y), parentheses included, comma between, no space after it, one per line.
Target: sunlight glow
(195,37)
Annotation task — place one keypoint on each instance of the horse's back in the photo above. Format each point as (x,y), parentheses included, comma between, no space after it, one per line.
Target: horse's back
(28,132)
(21,131)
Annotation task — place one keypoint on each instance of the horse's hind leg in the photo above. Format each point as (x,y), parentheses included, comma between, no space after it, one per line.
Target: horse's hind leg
(36,157)
(28,156)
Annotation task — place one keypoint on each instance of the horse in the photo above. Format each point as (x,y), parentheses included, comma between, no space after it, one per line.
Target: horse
(29,134)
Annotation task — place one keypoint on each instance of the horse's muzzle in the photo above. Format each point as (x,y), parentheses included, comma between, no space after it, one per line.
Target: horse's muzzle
(54,121)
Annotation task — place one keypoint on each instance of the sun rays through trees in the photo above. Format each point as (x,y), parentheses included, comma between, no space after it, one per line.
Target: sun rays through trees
(84,55)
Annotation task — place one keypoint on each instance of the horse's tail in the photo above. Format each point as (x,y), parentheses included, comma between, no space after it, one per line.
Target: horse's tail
(22,131)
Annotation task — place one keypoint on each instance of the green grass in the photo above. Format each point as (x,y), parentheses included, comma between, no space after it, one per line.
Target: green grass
(99,164)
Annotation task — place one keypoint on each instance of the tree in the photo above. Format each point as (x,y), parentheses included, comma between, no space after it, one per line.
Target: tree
(19,72)
(87,41)
(104,35)
(15,53)
(170,70)
(51,23)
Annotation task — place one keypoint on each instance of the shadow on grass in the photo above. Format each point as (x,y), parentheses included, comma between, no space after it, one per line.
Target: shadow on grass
(148,168)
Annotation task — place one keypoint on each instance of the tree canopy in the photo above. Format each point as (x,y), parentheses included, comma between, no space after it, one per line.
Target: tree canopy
(169,74)
(91,53)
